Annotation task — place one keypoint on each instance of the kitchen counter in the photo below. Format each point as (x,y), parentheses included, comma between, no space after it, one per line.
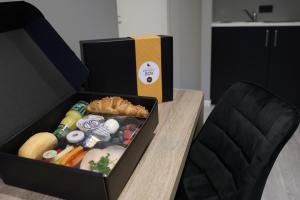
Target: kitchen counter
(253,24)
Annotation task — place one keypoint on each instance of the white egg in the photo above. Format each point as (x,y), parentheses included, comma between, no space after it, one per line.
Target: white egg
(112,125)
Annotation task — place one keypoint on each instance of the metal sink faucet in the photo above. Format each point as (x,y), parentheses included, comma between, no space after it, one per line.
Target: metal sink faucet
(252,16)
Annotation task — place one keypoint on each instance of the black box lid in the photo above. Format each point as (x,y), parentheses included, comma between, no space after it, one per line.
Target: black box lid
(38,69)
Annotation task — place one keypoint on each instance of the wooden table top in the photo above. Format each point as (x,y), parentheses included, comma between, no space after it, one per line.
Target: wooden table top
(159,170)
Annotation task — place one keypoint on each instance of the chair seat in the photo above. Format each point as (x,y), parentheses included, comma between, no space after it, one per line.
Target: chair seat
(200,182)
(206,176)
(236,148)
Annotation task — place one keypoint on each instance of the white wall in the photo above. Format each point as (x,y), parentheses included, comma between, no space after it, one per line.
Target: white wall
(181,19)
(206,19)
(76,20)
(185,27)
(142,17)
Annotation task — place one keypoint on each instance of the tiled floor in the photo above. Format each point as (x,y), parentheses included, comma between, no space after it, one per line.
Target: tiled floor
(284,180)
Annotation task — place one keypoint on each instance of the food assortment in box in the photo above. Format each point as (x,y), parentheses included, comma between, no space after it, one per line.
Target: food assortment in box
(92,136)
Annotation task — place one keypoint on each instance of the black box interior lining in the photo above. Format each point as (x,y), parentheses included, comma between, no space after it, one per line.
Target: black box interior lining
(28,78)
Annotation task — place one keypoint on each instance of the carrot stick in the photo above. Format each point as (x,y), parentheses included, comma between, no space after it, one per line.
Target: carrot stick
(70,155)
(77,159)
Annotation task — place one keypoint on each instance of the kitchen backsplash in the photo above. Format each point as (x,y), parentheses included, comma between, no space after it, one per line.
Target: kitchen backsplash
(232,10)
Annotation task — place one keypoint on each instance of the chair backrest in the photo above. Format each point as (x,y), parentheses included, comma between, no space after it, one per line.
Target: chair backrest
(241,140)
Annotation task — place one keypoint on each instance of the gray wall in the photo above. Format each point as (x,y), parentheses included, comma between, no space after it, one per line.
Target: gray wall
(184,24)
(76,20)
(231,10)
(206,21)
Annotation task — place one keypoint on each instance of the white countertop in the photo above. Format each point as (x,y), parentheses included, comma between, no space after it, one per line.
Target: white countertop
(253,24)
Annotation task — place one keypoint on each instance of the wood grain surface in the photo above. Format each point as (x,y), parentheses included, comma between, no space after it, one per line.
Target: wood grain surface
(159,170)
(158,173)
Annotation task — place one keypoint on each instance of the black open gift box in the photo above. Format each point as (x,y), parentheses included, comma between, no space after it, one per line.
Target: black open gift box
(41,79)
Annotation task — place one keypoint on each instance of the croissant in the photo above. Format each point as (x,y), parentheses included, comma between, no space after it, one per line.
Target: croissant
(117,105)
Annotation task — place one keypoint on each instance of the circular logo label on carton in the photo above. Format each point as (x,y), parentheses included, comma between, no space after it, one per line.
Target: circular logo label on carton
(149,72)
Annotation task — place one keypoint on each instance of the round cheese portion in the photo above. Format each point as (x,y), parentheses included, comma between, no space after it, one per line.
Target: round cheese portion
(112,125)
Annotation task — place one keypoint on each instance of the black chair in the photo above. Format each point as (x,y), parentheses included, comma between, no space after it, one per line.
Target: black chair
(234,152)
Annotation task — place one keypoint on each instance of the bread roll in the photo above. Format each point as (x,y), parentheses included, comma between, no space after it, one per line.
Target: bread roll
(37,144)
(117,105)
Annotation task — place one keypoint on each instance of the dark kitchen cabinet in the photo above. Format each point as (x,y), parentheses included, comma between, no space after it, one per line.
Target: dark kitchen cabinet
(284,67)
(267,56)
(238,53)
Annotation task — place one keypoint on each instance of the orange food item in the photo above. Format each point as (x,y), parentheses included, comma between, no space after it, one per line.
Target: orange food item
(127,134)
(70,156)
(127,142)
(76,160)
